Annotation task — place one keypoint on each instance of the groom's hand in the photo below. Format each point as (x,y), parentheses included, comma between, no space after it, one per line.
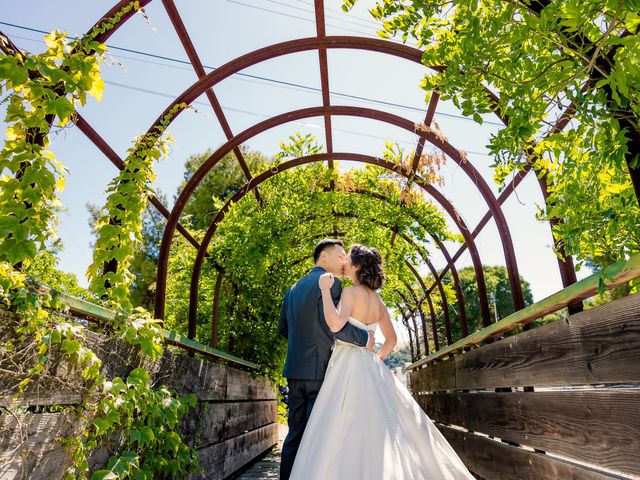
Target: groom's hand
(371,342)
(325,282)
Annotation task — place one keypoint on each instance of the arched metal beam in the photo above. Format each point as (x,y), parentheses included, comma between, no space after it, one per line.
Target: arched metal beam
(413,319)
(322,43)
(473,174)
(426,294)
(434,322)
(286,48)
(420,310)
(405,322)
(449,208)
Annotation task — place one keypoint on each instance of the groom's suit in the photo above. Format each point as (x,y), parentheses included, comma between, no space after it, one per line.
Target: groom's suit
(310,342)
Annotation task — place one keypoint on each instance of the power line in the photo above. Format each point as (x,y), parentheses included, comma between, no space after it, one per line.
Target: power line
(339,11)
(343,19)
(271,80)
(304,19)
(249,112)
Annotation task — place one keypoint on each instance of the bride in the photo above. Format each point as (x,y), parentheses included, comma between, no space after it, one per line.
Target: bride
(365,424)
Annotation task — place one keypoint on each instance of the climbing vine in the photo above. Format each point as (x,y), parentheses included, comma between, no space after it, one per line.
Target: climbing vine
(119,228)
(134,420)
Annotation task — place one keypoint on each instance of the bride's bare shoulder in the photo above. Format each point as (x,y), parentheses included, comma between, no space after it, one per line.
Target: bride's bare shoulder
(355,289)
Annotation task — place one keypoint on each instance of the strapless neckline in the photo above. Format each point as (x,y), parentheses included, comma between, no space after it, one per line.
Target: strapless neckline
(360,324)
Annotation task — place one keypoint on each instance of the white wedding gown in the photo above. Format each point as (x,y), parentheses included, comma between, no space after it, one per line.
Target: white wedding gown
(366,425)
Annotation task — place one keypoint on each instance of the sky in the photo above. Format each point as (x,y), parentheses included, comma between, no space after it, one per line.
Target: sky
(147,68)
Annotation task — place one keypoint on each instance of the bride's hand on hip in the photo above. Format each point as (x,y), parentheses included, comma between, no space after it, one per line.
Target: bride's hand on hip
(326,281)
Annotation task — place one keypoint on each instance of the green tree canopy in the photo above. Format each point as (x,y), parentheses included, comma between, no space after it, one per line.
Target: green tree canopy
(499,292)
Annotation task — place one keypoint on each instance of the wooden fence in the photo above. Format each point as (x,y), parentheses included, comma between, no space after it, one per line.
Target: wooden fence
(233,423)
(558,402)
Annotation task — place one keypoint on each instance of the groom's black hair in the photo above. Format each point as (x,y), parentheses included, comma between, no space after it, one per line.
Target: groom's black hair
(322,244)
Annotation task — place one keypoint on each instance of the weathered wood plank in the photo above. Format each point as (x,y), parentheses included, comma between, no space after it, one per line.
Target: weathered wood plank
(221,421)
(246,386)
(595,426)
(439,376)
(495,460)
(206,380)
(30,445)
(588,348)
(41,398)
(222,459)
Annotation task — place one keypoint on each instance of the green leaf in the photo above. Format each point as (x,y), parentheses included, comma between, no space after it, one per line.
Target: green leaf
(12,71)
(71,346)
(104,475)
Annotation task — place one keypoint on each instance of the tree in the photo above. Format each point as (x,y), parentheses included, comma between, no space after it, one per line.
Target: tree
(398,358)
(222,182)
(545,58)
(500,302)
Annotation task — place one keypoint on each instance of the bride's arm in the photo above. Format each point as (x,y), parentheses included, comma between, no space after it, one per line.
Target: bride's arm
(336,318)
(390,337)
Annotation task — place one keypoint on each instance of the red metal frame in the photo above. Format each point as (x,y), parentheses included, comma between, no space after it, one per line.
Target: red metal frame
(431,190)
(322,43)
(216,156)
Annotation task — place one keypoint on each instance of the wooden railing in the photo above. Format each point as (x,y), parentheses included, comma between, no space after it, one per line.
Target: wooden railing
(234,420)
(559,401)
(91,311)
(615,275)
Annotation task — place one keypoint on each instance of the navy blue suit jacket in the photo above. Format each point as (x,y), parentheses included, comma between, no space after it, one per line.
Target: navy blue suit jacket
(302,323)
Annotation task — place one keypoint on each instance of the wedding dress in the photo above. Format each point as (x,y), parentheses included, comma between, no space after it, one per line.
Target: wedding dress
(366,425)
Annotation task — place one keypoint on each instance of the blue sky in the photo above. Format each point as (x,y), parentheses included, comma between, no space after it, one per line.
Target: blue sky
(141,85)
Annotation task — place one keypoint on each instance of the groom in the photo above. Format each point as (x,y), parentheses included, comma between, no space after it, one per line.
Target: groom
(310,342)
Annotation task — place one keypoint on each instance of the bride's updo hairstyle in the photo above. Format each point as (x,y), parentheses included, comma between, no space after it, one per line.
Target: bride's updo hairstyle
(368,264)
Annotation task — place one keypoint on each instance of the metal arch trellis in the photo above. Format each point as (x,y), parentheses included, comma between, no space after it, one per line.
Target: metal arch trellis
(321,35)
(566,267)
(441,199)
(321,43)
(453,153)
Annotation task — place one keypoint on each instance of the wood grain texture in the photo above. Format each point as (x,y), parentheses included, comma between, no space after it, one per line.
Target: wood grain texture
(596,426)
(221,421)
(436,377)
(222,459)
(597,346)
(494,460)
(30,445)
(601,345)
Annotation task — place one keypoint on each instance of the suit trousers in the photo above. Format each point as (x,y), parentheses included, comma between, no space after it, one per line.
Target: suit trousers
(302,396)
